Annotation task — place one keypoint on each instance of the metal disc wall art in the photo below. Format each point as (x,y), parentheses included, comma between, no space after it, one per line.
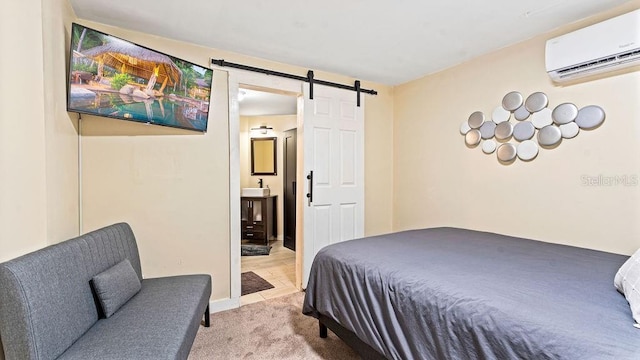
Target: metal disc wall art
(521,113)
(549,135)
(536,102)
(527,150)
(590,117)
(564,113)
(536,125)
(473,138)
(524,131)
(500,115)
(512,101)
(504,131)
(464,128)
(542,118)
(488,129)
(570,130)
(507,152)
(476,119)
(489,146)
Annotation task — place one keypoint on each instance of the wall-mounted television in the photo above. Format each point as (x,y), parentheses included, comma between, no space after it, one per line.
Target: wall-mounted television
(115,78)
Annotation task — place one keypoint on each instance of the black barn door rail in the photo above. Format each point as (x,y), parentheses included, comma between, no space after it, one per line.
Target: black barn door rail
(309,78)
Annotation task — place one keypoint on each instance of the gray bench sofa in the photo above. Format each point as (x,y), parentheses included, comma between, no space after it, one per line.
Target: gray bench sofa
(49,309)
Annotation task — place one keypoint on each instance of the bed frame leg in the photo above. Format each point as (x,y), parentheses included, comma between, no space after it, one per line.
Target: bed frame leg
(323,330)
(207,320)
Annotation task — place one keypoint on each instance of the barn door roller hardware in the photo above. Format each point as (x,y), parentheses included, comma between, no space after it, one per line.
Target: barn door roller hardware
(309,78)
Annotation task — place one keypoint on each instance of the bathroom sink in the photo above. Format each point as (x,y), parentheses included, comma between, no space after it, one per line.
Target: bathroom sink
(255,191)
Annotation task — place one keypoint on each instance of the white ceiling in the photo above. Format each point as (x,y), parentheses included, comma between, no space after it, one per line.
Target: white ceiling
(386,41)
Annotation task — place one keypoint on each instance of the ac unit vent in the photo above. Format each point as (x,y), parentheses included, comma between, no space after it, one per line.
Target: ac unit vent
(595,49)
(628,54)
(588,65)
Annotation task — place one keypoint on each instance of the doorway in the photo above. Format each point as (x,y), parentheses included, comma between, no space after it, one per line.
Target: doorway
(327,102)
(268,267)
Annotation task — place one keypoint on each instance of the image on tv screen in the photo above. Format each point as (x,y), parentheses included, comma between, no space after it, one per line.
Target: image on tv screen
(115,78)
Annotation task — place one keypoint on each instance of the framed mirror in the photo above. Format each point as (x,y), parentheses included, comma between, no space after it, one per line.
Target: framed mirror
(263,156)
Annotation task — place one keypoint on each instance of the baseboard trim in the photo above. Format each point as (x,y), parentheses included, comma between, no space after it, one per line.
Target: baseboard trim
(223,304)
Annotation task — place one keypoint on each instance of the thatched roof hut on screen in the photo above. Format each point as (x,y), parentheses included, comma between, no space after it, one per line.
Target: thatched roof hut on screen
(137,61)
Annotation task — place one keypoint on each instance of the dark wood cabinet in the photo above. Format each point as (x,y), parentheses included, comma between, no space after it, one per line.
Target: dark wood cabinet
(259,219)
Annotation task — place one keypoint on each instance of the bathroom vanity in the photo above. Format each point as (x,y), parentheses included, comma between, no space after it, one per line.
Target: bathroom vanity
(259,219)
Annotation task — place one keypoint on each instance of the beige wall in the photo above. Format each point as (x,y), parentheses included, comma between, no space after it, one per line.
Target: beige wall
(438,181)
(60,127)
(23,211)
(172,186)
(378,161)
(38,142)
(279,124)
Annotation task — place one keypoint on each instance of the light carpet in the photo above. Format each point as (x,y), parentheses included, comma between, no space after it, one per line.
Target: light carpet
(271,329)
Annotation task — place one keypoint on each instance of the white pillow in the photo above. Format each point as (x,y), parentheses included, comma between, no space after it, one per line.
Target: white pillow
(627,281)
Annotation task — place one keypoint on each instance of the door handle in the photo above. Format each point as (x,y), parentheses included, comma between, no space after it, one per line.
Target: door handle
(293,183)
(310,193)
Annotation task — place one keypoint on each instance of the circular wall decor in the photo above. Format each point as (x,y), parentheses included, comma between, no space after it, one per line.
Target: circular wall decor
(536,102)
(521,113)
(473,137)
(506,152)
(590,117)
(542,118)
(564,113)
(527,150)
(539,125)
(569,130)
(488,146)
(476,119)
(549,135)
(500,115)
(504,131)
(464,128)
(487,130)
(523,131)
(512,101)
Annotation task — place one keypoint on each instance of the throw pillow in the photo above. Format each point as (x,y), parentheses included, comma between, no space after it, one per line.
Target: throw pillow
(627,281)
(115,286)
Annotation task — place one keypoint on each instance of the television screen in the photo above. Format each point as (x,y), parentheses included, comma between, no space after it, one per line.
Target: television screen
(112,77)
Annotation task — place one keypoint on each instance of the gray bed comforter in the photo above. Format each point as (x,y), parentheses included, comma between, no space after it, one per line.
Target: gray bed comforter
(447,293)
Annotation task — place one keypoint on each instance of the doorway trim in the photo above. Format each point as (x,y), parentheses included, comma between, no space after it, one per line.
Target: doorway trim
(234,80)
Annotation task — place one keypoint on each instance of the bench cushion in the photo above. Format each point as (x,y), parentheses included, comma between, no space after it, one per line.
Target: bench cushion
(115,286)
(159,322)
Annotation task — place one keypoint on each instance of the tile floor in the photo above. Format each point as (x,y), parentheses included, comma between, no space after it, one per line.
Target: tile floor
(278,268)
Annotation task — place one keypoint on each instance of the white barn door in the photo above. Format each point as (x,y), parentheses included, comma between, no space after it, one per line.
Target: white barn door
(333,131)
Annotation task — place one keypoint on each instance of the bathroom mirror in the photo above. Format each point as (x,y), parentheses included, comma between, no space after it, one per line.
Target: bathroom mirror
(263,156)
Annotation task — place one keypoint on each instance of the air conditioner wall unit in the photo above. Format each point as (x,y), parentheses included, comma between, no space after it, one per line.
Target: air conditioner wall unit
(606,46)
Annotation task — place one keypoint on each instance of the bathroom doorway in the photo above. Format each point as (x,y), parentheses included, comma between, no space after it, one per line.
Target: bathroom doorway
(347,214)
(267,127)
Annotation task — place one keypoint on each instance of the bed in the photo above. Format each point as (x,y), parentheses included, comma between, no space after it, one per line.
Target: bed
(447,293)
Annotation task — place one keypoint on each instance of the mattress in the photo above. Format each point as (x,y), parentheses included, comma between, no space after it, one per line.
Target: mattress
(447,293)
